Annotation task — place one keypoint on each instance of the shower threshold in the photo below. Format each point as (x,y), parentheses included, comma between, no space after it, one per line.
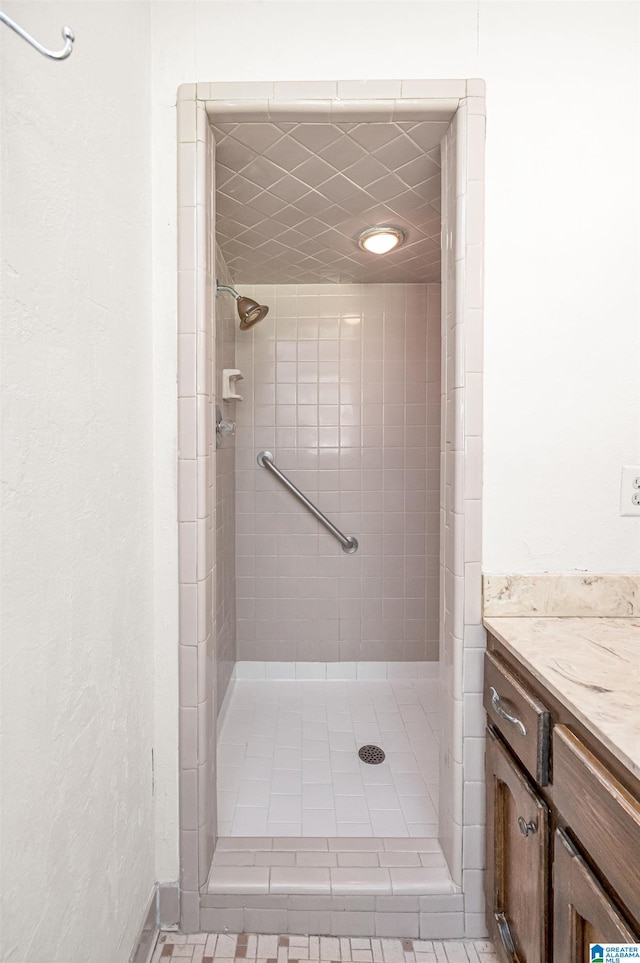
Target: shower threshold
(330,867)
(394,887)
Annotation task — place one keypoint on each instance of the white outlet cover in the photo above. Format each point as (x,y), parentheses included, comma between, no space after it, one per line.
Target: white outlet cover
(630,490)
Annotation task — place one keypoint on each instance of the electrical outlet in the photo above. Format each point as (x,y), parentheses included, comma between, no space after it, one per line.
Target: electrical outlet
(630,490)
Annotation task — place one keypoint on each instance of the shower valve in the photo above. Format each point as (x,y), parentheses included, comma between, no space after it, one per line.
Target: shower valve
(223,428)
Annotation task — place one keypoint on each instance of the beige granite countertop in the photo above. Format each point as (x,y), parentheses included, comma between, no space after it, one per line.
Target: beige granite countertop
(592,665)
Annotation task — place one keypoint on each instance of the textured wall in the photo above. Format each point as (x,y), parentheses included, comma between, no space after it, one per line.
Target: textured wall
(77,639)
(343,385)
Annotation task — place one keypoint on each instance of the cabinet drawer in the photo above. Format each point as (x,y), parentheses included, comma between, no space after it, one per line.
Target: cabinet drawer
(521,719)
(601,814)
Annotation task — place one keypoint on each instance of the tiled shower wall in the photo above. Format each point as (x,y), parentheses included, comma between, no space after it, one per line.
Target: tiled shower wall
(342,384)
(197,476)
(462,638)
(225,551)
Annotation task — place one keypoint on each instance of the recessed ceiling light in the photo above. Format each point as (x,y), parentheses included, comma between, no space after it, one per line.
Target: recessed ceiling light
(381,240)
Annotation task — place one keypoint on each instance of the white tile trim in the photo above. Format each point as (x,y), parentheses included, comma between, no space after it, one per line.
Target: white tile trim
(334,671)
(344,101)
(227,698)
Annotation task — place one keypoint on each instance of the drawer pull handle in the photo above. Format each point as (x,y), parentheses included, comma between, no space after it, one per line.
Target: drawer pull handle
(526,827)
(495,702)
(506,938)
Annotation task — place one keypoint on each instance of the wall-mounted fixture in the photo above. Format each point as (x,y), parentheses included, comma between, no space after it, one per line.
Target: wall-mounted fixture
(230,379)
(67,34)
(249,311)
(223,428)
(349,542)
(381,240)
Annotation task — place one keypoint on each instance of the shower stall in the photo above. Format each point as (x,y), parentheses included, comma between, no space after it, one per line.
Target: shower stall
(331,731)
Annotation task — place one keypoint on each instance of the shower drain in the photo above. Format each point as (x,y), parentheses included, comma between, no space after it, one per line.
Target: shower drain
(372,755)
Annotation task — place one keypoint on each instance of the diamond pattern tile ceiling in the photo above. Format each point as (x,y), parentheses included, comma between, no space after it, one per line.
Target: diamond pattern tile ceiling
(292,200)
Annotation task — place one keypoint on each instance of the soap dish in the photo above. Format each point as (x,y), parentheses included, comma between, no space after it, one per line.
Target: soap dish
(230,379)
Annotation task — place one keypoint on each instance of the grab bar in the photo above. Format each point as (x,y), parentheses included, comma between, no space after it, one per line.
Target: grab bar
(348,542)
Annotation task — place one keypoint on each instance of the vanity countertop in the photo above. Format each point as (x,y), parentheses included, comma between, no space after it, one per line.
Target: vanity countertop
(592,665)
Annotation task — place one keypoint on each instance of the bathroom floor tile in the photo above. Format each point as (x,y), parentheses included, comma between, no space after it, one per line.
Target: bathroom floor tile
(243,947)
(301,738)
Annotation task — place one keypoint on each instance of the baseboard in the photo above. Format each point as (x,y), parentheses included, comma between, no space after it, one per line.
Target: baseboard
(168,904)
(336,671)
(143,947)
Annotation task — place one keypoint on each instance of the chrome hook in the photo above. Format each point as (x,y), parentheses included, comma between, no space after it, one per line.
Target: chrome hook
(67,34)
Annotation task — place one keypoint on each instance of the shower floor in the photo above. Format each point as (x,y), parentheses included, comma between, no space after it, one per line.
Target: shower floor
(288,759)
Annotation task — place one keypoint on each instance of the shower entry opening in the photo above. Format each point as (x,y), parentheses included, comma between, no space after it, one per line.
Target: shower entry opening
(330,700)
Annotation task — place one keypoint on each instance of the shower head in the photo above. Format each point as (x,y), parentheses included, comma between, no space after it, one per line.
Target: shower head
(249,311)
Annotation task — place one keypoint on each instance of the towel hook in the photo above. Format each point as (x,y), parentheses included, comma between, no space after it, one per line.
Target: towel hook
(67,33)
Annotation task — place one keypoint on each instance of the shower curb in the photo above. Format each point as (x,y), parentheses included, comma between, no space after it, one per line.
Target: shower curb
(435,916)
(385,886)
(329,866)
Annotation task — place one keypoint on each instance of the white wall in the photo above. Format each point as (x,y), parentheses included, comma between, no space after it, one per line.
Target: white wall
(562,352)
(77,646)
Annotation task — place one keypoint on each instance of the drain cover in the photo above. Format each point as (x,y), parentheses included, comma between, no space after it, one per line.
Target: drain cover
(373,755)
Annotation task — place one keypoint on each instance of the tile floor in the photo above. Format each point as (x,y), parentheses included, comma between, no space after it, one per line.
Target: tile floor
(288,763)
(232,948)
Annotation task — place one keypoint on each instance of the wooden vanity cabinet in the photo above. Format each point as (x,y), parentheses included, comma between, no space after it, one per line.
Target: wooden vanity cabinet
(583,913)
(563,826)
(517,878)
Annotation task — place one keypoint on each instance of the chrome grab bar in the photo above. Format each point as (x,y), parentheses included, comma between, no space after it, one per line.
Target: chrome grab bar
(348,542)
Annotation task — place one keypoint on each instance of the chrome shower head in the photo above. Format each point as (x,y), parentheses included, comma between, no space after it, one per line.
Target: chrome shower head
(249,311)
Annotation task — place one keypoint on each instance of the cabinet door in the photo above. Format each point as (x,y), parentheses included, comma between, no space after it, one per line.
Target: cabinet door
(582,911)
(602,814)
(517,859)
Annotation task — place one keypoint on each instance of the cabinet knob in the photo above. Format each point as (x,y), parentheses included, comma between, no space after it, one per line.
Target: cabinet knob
(526,827)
